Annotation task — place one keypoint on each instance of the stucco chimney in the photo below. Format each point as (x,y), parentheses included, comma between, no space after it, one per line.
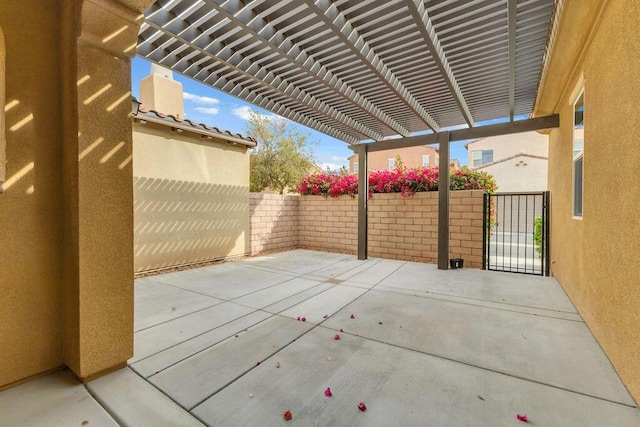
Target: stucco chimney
(159,92)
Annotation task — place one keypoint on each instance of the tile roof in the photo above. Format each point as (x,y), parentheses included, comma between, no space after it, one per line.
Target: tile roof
(201,128)
(515,156)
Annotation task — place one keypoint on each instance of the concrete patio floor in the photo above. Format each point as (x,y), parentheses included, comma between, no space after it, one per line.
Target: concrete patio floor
(425,347)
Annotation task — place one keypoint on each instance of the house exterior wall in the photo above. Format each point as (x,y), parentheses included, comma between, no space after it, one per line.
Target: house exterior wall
(504,146)
(191,198)
(66,284)
(399,228)
(519,174)
(411,157)
(30,206)
(596,258)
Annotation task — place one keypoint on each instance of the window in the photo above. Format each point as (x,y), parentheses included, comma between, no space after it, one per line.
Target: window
(355,167)
(437,161)
(425,161)
(481,157)
(392,164)
(578,155)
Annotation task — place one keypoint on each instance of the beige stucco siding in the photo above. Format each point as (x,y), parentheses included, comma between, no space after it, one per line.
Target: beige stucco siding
(30,209)
(67,267)
(191,198)
(504,146)
(596,258)
(519,174)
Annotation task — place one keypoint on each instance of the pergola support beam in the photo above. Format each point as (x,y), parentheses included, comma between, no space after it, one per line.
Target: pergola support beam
(363,193)
(443,201)
(519,126)
(512,15)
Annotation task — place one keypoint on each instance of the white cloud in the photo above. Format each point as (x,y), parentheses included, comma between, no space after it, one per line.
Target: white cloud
(207,110)
(245,112)
(203,100)
(338,159)
(242,112)
(331,166)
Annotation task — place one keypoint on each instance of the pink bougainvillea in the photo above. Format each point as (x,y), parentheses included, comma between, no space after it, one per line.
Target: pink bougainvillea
(406,181)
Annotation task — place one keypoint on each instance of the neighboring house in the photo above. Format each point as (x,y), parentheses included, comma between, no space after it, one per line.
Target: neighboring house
(412,157)
(190,180)
(517,162)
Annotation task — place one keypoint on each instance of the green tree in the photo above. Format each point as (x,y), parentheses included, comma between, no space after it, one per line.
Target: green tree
(283,155)
(341,171)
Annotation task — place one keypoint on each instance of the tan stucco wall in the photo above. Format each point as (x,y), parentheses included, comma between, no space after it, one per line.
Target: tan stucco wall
(66,285)
(3,145)
(191,198)
(519,174)
(162,94)
(596,258)
(504,146)
(411,157)
(30,279)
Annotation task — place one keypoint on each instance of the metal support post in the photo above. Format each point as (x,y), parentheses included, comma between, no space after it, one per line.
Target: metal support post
(443,201)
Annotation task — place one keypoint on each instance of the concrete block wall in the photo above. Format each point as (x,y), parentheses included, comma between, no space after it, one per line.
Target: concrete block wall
(273,222)
(407,228)
(465,226)
(399,228)
(328,224)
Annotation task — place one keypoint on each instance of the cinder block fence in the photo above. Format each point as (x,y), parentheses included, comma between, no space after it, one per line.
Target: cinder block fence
(399,228)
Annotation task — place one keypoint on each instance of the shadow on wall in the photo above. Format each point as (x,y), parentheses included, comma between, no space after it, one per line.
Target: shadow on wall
(181,222)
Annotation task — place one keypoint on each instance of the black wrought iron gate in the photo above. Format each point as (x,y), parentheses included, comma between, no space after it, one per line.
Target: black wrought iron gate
(516,232)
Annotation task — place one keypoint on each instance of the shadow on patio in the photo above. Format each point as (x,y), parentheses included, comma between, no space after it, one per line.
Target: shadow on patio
(425,346)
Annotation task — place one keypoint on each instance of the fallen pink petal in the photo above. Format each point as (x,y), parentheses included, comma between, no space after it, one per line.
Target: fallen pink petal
(353,317)
(325,316)
(287,416)
(258,364)
(341,330)
(523,418)
(336,337)
(304,319)
(362,406)
(277,364)
(298,317)
(327,392)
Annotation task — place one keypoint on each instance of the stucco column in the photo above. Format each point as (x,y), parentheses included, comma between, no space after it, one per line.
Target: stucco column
(98,41)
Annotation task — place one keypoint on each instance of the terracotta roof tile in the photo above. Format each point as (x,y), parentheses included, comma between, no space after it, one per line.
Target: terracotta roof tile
(197,126)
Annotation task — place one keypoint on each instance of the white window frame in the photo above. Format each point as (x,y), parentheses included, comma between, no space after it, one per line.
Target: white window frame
(392,164)
(478,155)
(577,156)
(355,167)
(425,160)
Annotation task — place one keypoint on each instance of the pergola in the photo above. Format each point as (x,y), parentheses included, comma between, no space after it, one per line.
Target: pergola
(376,74)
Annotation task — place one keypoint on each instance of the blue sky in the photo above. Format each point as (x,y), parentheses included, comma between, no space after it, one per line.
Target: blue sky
(215,108)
